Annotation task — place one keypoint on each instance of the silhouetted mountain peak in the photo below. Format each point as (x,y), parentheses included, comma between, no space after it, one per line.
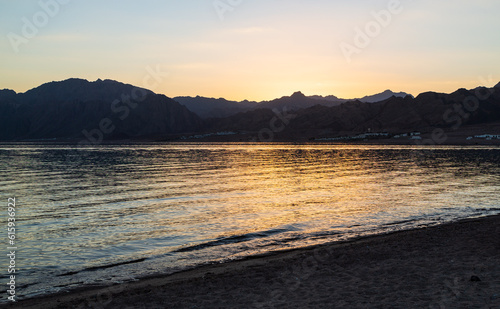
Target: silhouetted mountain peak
(497,85)
(7,93)
(214,108)
(81,90)
(298,95)
(327,98)
(461,91)
(383,96)
(69,108)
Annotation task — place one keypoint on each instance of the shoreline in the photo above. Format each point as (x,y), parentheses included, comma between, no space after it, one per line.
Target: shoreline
(432,267)
(450,137)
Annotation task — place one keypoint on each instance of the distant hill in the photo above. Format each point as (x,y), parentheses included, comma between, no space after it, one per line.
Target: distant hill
(221,108)
(215,108)
(367,99)
(328,98)
(383,96)
(69,108)
(295,102)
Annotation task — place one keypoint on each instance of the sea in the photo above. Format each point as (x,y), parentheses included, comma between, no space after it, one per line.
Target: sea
(106,215)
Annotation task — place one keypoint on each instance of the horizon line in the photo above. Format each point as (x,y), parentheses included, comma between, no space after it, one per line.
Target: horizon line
(249,100)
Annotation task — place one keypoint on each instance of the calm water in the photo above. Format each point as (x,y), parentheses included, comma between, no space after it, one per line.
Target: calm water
(112,214)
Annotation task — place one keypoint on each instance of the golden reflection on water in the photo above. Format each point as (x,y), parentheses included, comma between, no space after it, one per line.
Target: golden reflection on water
(113,204)
(264,188)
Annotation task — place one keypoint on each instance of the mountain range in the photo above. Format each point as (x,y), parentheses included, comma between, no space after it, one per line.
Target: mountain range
(219,108)
(110,110)
(425,112)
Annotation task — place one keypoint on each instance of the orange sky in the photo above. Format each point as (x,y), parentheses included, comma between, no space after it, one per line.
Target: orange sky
(256,50)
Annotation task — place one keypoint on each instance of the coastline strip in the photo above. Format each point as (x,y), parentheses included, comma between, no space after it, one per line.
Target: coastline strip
(454,265)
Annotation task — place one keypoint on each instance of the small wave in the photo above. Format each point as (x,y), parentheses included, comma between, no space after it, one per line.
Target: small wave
(101,267)
(488,209)
(231,240)
(399,222)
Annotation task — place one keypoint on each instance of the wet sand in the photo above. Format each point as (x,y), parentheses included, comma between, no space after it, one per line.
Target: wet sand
(455,265)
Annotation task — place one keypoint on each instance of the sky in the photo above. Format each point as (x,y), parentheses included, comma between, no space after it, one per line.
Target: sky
(253,49)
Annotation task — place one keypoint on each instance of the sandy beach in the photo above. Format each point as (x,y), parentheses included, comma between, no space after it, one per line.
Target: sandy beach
(455,265)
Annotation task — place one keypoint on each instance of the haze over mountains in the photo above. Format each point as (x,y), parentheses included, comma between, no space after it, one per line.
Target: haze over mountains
(110,110)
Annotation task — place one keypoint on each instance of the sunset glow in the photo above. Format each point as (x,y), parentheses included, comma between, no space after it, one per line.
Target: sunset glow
(256,50)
